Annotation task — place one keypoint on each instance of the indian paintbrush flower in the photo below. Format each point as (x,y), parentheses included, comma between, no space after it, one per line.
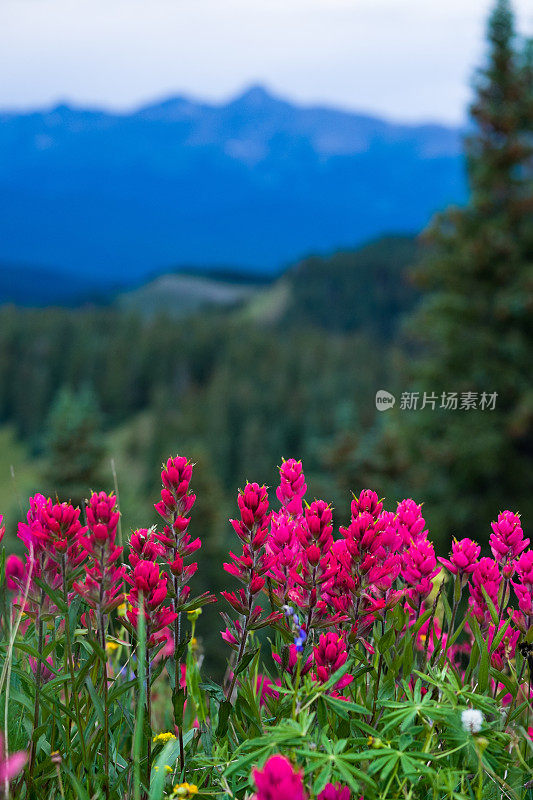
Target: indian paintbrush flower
(292,488)
(486,576)
(334,791)
(278,780)
(507,541)
(463,558)
(329,656)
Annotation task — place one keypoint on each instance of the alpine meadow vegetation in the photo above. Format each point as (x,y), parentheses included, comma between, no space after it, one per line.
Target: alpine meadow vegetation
(360,665)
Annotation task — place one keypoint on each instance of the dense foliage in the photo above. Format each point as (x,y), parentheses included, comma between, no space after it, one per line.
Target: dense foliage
(360,666)
(214,383)
(368,289)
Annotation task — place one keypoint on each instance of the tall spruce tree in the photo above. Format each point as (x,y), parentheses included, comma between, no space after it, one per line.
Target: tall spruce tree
(74,447)
(474,329)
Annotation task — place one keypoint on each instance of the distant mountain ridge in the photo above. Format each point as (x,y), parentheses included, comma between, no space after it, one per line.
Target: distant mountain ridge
(256,183)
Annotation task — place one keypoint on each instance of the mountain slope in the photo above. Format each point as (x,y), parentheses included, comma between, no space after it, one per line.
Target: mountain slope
(254,183)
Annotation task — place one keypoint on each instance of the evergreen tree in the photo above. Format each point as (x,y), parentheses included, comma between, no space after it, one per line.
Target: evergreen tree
(74,447)
(473,331)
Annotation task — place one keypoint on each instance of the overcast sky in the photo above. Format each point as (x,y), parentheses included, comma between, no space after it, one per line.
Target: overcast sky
(405,59)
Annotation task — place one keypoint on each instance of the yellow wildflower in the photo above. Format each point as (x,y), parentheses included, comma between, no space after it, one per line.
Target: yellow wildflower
(111,647)
(163,738)
(185,790)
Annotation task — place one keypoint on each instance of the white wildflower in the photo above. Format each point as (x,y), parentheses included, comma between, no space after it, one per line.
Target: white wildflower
(472,720)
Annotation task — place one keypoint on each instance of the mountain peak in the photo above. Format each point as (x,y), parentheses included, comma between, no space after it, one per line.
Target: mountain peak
(256,95)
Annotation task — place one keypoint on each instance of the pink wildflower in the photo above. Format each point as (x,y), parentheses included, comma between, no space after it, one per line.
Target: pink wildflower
(264,688)
(62,524)
(104,576)
(253,504)
(102,516)
(46,673)
(144,546)
(175,505)
(146,579)
(334,791)
(487,575)
(419,567)
(463,557)
(10,765)
(249,568)
(507,541)
(524,590)
(176,499)
(367,502)
(329,656)
(316,539)
(292,486)
(284,544)
(278,780)
(291,661)
(410,522)
(15,572)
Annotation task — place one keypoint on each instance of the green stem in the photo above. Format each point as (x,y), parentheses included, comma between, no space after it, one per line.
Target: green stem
(296,685)
(139,722)
(102,626)
(450,631)
(149,715)
(239,657)
(70,662)
(380,668)
(479,792)
(502,603)
(244,638)
(311,606)
(177,667)
(430,621)
(513,701)
(40,637)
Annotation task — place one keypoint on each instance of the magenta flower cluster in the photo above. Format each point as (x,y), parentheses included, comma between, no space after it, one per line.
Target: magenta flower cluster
(343,585)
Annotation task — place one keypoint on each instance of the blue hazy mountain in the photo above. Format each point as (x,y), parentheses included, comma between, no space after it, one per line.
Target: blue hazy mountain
(254,183)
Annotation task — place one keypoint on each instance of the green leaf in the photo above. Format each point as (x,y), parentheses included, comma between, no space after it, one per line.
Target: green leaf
(223,717)
(97,702)
(119,689)
(97,648)
(499,636)
(178,700)
(386,640)
(483,674)
(490,604)
(53,594)
(246,659)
